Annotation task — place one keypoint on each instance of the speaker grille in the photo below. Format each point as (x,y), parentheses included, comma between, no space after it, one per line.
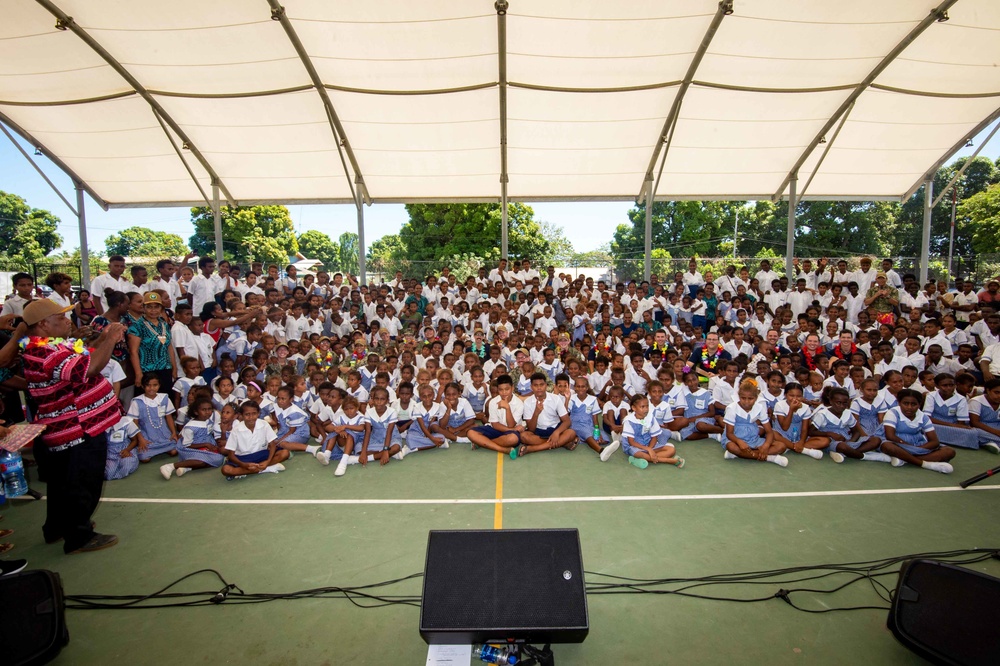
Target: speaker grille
(503,581)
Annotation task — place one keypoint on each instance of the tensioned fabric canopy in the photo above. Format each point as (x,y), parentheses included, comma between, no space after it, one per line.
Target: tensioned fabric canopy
(147,102)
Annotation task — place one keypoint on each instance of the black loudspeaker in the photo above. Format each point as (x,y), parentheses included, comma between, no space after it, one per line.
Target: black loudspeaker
(947,614)
(490,585)
(33,630)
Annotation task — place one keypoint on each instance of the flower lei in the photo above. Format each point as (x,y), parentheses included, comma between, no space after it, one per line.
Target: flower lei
(76,344)
(710,364)
(358,356)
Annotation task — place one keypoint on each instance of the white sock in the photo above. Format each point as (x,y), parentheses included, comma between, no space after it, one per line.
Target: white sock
(943,467)
(812,453)
(729,456)
(875,456)
(312,449)
(352,460)
(781,461)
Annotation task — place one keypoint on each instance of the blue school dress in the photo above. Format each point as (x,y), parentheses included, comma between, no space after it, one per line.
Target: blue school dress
(695,403)
(867,415)
(462,413)
(119,437)
(987,416)
(663,414)
(293,417)
(368,377)
(769,400)
(581,416)
(794,432)
(953,410)
(825,420)
(476,397)
(813,396)
(196,437)
(380,425)
(415,438)
(218,402)
(643,432)
(183,386)
(523,387)
(912,432)
(150,414)
(358,435)
(746,425)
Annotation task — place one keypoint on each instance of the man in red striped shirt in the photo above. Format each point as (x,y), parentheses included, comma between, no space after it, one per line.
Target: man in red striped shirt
(77,405)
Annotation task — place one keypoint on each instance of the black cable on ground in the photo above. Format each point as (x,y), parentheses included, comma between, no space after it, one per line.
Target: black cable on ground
(365,596)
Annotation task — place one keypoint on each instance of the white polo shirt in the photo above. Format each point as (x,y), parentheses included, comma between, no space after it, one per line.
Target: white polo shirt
(553,409)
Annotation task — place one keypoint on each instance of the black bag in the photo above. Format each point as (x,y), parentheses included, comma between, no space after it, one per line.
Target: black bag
(33,630)
(946,614)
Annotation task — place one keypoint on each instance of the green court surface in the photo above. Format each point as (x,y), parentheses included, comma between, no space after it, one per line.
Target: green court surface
(304,528)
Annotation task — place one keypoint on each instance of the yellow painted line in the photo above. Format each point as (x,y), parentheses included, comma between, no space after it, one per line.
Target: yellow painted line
(498,506)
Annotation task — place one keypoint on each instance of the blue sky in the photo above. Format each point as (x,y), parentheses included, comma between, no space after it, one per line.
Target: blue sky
(587,225)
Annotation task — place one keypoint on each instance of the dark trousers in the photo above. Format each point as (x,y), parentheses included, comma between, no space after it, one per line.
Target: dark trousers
(75,480)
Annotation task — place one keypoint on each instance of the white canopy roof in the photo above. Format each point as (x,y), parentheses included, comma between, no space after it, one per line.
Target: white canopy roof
(145,101)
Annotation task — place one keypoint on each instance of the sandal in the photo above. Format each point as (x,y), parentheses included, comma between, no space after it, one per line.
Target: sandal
(5,533)
(518,451)
(572,445)
(5,547)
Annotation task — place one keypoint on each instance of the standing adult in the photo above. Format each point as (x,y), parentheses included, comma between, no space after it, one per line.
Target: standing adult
(203,287)
(149,344)
(707,359)
(113,279)
(77,405)
(882,299)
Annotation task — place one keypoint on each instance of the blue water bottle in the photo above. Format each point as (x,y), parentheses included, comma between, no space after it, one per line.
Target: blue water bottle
(13,474)
(494,655)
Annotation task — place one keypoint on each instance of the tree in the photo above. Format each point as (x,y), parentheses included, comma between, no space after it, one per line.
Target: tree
(438,231)
(317,245)
(979,219)
(142,242)
(348,254)
(250,233)
(26,234)
(560,248)
(388,255)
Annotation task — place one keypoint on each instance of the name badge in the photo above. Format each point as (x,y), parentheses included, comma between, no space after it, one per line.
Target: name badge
(699,404)
(117,436)
(952,411)
(161,410)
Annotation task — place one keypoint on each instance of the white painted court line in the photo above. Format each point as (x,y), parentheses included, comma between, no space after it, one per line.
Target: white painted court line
(545,500)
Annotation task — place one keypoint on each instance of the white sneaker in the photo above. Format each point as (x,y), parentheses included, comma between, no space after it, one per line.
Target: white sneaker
(780,461)
(896,462)
(717,436)
(676,435)
(992,447)
(445,445)
(341,467)
(323,457)
(181,471)
(942,467)
(616,437)
(837,457)
(167,470)
(728,456)
(463,440)
(609,451)
(876,456)
(403,452)
(277,467)
(813,453)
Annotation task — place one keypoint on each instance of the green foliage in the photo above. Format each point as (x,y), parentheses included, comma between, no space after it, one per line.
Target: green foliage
(388,255)
(592,258)
(560,247)
(979,219)
(143,242)
(347,255)
(317,245)
(26,234)
(464,265)
(438,231)
(251,233)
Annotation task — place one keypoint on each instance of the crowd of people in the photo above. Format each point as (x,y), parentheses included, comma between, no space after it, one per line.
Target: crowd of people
(210,367)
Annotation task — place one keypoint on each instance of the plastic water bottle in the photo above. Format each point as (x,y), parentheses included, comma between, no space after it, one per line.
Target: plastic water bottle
(494,655)
(597,433)
(13,474)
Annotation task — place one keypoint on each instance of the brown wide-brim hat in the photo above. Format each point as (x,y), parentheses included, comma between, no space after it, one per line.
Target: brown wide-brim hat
(38,310)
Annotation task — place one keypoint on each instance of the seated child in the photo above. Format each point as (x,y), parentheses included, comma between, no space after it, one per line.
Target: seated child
(790,422)
(584,412)
(695,414)
(643,441)
(153,413)
(198,447)
(949,412)
(252,446)
(458,417)
(503,427)
(382,440)
(910,436)
(123,438)
(291,423)
(546,423)
(835,422)
(425,414)
(744,419)
(984,413)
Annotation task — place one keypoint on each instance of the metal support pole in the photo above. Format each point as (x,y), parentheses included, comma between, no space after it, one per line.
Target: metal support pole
(951,238)
(361,243)
(925,243)
(81,216)
(217,217)
(736,233)
(647,254)
(503,220)
(790,237)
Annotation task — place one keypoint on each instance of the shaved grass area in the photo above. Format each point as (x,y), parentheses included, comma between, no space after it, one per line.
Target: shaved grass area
(285,548)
